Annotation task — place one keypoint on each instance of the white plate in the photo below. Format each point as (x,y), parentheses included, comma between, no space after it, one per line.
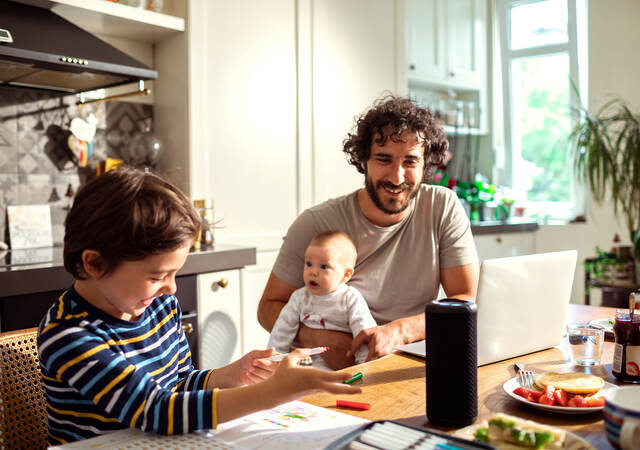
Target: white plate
(603,324)
(513,383)
(573,441)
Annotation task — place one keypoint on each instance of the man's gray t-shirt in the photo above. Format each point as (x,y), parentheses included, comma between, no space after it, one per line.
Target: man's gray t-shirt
(398,267)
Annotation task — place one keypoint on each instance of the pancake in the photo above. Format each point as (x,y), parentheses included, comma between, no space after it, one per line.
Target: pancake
(571,382)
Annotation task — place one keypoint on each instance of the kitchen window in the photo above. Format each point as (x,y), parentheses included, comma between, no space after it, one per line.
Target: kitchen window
(538,60)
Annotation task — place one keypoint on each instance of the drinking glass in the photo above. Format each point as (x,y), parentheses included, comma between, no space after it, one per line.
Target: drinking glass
(585,344)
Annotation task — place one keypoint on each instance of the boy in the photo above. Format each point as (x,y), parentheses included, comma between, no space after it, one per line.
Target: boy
(112,351)
(325,301)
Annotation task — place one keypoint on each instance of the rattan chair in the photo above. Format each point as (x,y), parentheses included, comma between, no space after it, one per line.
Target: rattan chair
(23,414)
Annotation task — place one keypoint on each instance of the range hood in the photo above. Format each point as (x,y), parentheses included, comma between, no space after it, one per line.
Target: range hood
(39,49)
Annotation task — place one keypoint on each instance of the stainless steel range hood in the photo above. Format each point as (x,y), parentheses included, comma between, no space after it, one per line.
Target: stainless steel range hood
(39,49)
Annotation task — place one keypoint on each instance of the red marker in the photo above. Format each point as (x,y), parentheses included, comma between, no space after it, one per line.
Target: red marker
(350,404)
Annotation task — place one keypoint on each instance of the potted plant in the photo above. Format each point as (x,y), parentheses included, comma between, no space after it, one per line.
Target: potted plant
(606,148)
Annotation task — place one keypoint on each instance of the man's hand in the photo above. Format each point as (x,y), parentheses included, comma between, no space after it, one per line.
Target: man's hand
(337,341)
(381,340)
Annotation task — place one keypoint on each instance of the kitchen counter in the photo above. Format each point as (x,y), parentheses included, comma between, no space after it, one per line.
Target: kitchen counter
(31,271)
(512,225)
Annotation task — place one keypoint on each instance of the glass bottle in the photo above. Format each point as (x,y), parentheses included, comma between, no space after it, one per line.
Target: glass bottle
(626,355)
(205,209)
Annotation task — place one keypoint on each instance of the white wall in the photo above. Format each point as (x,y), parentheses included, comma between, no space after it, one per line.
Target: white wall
(613,69)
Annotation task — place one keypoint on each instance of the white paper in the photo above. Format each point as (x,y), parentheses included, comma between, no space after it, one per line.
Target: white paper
(30,226)
(295,425)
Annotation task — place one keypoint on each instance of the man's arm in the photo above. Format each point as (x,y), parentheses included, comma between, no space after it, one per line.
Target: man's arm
(276,294)
(459,282)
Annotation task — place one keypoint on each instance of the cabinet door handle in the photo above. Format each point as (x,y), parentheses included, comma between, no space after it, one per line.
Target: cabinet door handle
(187,327)
(223,282)
(499,240)
(452,74)
(412,67)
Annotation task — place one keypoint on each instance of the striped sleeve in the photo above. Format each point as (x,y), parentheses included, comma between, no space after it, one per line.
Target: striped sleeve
(101,377)
(89,365)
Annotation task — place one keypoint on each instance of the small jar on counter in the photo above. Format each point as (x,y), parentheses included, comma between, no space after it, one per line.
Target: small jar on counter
(205,209)
(626,356)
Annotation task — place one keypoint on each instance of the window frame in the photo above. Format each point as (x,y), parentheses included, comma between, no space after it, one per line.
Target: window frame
(576,13)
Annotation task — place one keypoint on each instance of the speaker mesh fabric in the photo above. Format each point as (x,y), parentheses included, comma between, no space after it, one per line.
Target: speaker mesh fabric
(451,362)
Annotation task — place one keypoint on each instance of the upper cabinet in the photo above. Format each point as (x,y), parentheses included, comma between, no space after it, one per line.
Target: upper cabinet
(447,42)
(118,20)
(446,61)
(426,40)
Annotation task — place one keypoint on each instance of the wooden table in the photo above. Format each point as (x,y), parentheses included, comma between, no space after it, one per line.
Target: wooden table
(395,386)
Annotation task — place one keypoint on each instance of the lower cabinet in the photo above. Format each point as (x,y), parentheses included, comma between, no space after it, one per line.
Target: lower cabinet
(219,318)
(505,244)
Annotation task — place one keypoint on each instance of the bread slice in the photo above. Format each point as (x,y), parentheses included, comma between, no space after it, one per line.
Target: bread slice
(571,382)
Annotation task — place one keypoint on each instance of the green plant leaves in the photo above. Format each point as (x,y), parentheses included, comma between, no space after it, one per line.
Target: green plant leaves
(606,150)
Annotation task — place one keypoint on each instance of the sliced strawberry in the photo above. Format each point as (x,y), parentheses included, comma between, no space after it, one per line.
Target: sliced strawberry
(561,397)
(577,401)
(595,401)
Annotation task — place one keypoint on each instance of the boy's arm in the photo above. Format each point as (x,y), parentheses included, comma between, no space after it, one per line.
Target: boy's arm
(275,296)
(77,358)
(289,382)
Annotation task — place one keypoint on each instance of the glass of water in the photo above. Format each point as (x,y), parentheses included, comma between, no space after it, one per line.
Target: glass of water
(585,344)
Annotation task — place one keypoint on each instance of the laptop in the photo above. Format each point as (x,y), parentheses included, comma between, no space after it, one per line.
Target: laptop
(522,305)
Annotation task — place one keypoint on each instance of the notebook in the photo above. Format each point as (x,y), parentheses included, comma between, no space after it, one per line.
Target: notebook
(522,305)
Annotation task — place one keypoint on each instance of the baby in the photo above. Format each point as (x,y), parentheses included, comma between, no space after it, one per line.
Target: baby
(325,301)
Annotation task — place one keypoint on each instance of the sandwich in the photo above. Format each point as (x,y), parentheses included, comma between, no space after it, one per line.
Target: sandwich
(509,432)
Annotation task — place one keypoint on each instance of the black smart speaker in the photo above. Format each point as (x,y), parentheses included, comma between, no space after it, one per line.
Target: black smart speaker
(451,362)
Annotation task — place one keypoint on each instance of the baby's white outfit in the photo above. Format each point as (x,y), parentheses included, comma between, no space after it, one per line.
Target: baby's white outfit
(344,309)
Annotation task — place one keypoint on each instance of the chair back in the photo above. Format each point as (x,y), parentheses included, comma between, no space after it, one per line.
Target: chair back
(23,413)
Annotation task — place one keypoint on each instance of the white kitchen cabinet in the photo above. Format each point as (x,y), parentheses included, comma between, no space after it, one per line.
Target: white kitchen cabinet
(505,244)
(219,318)
(254,279)
(447,42)
(425,36)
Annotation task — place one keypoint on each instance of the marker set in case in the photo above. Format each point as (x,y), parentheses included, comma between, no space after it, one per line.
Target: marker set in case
(392,435)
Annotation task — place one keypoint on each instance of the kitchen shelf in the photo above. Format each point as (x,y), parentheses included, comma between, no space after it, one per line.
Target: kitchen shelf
(114,19)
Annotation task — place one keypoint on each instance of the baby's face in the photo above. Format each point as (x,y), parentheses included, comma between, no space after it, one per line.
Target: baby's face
(324,269)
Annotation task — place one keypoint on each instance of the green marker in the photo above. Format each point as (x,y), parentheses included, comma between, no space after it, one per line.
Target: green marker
(356,377)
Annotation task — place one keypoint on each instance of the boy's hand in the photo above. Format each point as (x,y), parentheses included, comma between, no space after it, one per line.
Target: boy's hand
(254,368)
(293,381)
(250,369)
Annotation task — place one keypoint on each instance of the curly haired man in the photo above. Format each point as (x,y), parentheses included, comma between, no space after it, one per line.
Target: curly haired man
(411,237)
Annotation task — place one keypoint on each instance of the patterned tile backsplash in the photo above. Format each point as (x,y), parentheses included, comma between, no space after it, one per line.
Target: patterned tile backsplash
(35,164)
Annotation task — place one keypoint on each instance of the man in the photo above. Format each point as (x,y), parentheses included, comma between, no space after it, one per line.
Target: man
(410,237)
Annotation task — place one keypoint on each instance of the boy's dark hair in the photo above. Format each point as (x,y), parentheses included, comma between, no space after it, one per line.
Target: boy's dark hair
(127,215)
(389,117)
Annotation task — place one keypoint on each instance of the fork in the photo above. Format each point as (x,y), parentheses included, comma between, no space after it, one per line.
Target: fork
(525,377)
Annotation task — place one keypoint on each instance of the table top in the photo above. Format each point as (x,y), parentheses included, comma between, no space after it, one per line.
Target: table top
(395,386)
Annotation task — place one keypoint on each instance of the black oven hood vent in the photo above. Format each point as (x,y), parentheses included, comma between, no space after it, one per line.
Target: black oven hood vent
(41,50)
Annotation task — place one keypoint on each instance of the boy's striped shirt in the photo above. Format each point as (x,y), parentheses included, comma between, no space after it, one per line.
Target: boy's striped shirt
(103,374)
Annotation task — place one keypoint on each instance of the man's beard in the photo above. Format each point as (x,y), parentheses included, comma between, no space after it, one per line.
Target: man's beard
(373,194)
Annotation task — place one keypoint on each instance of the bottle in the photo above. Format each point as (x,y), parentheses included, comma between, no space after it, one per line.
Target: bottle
(626,355)
(205,209)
